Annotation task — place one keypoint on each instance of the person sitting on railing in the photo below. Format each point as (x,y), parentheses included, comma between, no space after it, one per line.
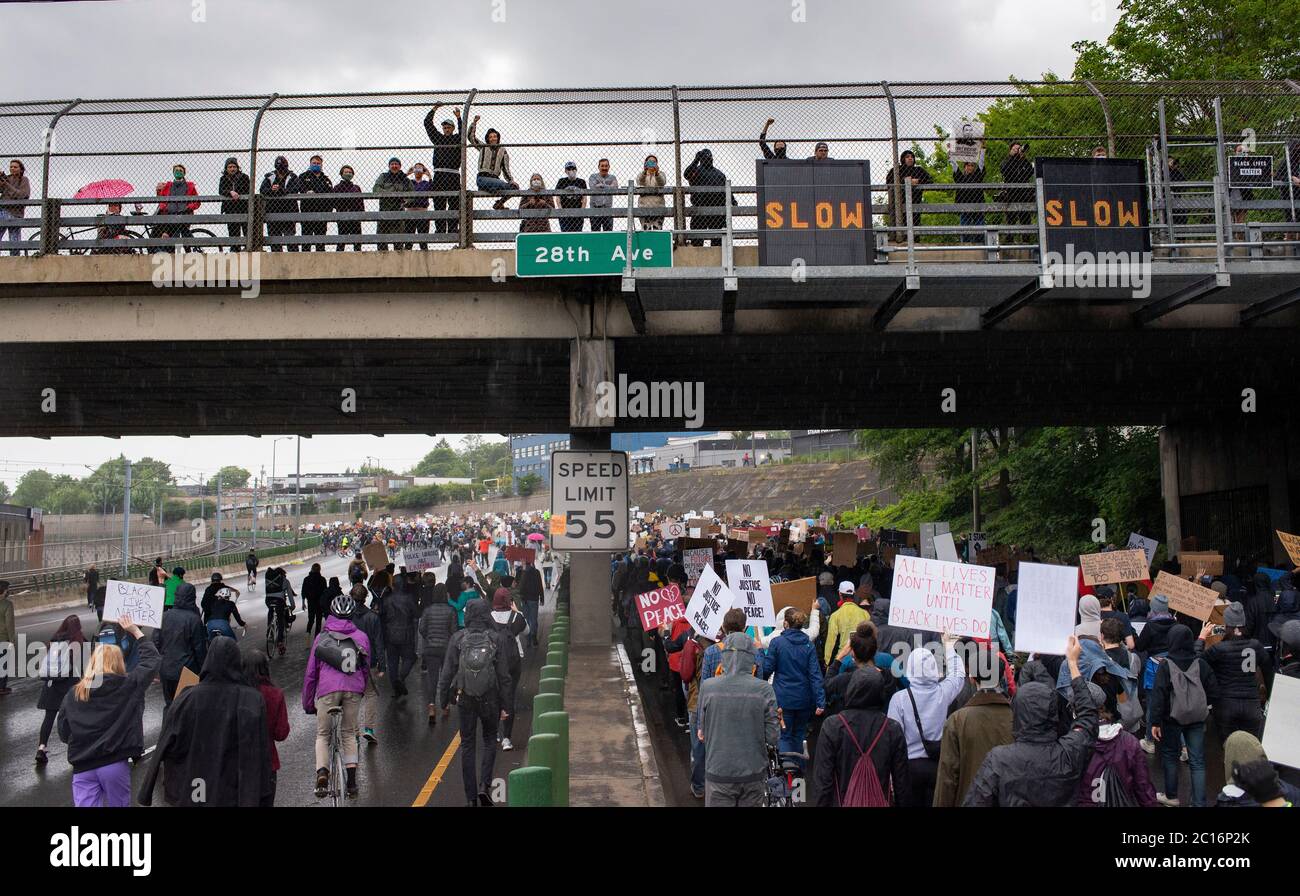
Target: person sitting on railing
(536,202)
(279,186)
(315,180)
(651,176)
(420,183)
(235,184)
(701,173)
(345,185)
(178,186)
(14,186)
(112,226)
(605,184)
(1017,169)
(777,149)
(394,180)
(446,166)
(571,184)
(968,172)
(906,172)
(493,163)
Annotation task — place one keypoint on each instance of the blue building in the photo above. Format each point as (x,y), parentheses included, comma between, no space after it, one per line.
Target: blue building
(531,453)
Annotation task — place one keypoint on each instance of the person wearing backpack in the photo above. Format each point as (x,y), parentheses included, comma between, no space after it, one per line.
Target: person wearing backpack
(1152,647)
(437,625)
(983,723)
(474,671)
(1180,703)
(862,753)
(338,673)
(921,710)
(59,672)
(1117,774)
(400,615)
(738,721)
(1241,665)
(511,623)
(367,620)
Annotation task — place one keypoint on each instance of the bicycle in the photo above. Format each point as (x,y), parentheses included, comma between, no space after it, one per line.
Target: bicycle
(92,233)
(338,775)
(276,632)
(782,769)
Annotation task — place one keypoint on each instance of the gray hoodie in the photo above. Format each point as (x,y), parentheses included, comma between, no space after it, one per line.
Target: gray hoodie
(737,716)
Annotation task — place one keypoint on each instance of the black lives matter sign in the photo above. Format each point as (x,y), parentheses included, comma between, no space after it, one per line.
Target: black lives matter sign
(818,213)
(1250,171)
(1094,205)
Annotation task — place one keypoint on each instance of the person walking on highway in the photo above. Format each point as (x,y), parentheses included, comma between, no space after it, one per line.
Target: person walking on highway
(446,166)
(102,721)
(922,708)
(394,180)
(1179,703)
(279,187)
(511,623)
(332,681)
(59,670)
(91,579)
(313,595)
(437,625)
(257,674)
(368,621)
(157,575)
(862,730)
(400,615)
(738,721)
(250,563)
(171,585)
(790,661)
(315,180)
(222,610)
(8,636)
(532,593)
(183,640)
(475,670)
(349,205)
(214,748)
(846,618)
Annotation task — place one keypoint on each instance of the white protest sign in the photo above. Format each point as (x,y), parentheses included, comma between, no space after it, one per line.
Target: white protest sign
(944,547)
(749,582)
(964,146)
(696,532)
(419,559)
(142,603)
(708,514)
(1282,729)
(939,596)
(1148,545)
(671,530)
(1046,598)
(695,559)
(710,602)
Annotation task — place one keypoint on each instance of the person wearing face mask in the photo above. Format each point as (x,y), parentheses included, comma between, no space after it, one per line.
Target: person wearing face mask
(279,186)
(349,204)
(493,163)
(315,180)
(911,176)
(702,173)
(571,184)
(420,183)
(651,177)
(446,166)
(394,180)
(178,186)
(535,201)
(234,185)
(777,149)
(604,184)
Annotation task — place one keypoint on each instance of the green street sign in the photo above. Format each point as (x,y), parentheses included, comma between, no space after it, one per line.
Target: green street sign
(590,254)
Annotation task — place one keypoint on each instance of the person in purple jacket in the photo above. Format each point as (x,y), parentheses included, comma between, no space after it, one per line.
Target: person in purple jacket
(331,683)
(1118,753)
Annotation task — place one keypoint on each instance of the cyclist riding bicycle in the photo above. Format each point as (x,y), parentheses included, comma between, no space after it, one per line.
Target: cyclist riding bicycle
(337,672)
(279,604)
(250,563)
(222,611)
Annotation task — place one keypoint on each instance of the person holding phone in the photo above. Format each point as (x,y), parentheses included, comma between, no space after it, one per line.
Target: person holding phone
(651,177)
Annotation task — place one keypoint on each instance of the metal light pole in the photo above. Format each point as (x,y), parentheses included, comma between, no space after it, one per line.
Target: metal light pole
(271,502)
(126,521)
(218,544)
(975,484)
(297,493)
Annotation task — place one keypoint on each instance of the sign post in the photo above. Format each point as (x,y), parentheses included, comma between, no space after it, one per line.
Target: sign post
(589,491)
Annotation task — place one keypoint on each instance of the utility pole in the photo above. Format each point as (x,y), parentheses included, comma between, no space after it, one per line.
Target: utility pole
(297,494)
(257,486)
(975,481)
(218,514)
(126,520)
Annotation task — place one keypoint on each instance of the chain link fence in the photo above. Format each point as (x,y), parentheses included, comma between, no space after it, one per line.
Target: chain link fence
(474,194)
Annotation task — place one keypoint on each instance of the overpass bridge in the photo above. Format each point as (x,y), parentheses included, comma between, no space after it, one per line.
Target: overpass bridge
(956,321)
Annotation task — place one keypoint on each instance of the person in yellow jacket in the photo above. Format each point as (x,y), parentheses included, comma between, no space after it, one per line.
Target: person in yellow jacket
(844,621)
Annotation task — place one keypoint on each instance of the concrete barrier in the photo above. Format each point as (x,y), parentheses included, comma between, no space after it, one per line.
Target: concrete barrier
(557,724)
(551,686)
(532,785)
(557,656)
(543,703)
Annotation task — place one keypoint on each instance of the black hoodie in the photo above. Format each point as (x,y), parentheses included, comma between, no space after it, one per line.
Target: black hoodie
(108,727)
(478,618)
(215,747)
(864,717)
(182,638)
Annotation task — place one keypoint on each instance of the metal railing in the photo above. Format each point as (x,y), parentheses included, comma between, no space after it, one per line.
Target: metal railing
(1196,124)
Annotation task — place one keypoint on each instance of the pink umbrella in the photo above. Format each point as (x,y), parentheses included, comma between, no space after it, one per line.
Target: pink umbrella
(536,536)
(105,189)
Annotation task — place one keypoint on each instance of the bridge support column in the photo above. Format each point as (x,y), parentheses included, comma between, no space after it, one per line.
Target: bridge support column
(591,362)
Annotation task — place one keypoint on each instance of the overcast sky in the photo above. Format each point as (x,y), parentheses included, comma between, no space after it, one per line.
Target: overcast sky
(150,48)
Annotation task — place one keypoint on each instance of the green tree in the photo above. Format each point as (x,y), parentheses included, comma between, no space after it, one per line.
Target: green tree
(529,483)
(442,461)
(34,488)
(231,477)
(4,492)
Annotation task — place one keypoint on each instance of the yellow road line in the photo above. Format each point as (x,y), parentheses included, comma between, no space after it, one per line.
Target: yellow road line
(435,777)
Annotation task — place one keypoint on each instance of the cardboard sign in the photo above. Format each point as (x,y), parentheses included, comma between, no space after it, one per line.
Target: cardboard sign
(998,554)
(375,555)
(758,536)
(517,554)
(844,547)
(1282,730)
(660,607)
(419,559)
(672,530)
(695,560)
(1047,597)
(928,532)
(1114,566)
(187,679)
(1201,563)
(1146,545)
(1185,596)
(1292,545)
(142,603)
(937,596)
(748,581)
(944,547)
(709,603)
(800,594)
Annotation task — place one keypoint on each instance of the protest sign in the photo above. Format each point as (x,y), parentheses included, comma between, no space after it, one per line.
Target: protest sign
(934,595)
(375,555)
(1282,730)
(1146,545)
(187,678)
(558,523)
(1201,563)
(758,536)
(660,607)
(944,547)
(142,603)
(1185,596)
(965,143)
(672,530)
(516,554)
(844,546)
(709,603)
(1046,598)
(800,594)
(695,559)
(1109,567)
(749,583)
(928,532)
(995,555)
(1292,545)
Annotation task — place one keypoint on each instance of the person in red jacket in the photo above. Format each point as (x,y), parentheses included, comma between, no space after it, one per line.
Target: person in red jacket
(676,636)
(257,673)
(178,186)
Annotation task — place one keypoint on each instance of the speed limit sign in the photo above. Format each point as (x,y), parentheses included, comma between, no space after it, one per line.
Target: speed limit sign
(589,490)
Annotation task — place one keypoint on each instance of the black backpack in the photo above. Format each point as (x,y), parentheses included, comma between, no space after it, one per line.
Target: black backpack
(477,672)
(339,653)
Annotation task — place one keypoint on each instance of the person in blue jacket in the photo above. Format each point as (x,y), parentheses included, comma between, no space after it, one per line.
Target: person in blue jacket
(792,659)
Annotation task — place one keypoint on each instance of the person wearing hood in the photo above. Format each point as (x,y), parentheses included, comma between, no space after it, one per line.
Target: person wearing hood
(738,721)
(257,674)
(368,621)
(532,593)
(325,687)
(790,661)
(701,174)
(1152,646)
(911,176)
(350,205)
(58,672)
(1089,618)
(101,721)
(393,180)
(235,188)
(1040,768)
(1259,608)
(182,640)
(1239,749)
(279,186)
(400,616)
(511,623)
(214,749)
(313,596)
(921,709)
(314,180)
(984,722)
(861,727)
(210,595)
(475,670)
(437,625)
(1117,762)
(777,149)
(847,616)
(1179,705)
(1241,664)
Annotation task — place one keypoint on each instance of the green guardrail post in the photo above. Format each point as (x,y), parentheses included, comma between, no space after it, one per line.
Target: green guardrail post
(557,724)
(549,671)
(551,685)
(532,785)
(543,703)
(556,656)
(544,751)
